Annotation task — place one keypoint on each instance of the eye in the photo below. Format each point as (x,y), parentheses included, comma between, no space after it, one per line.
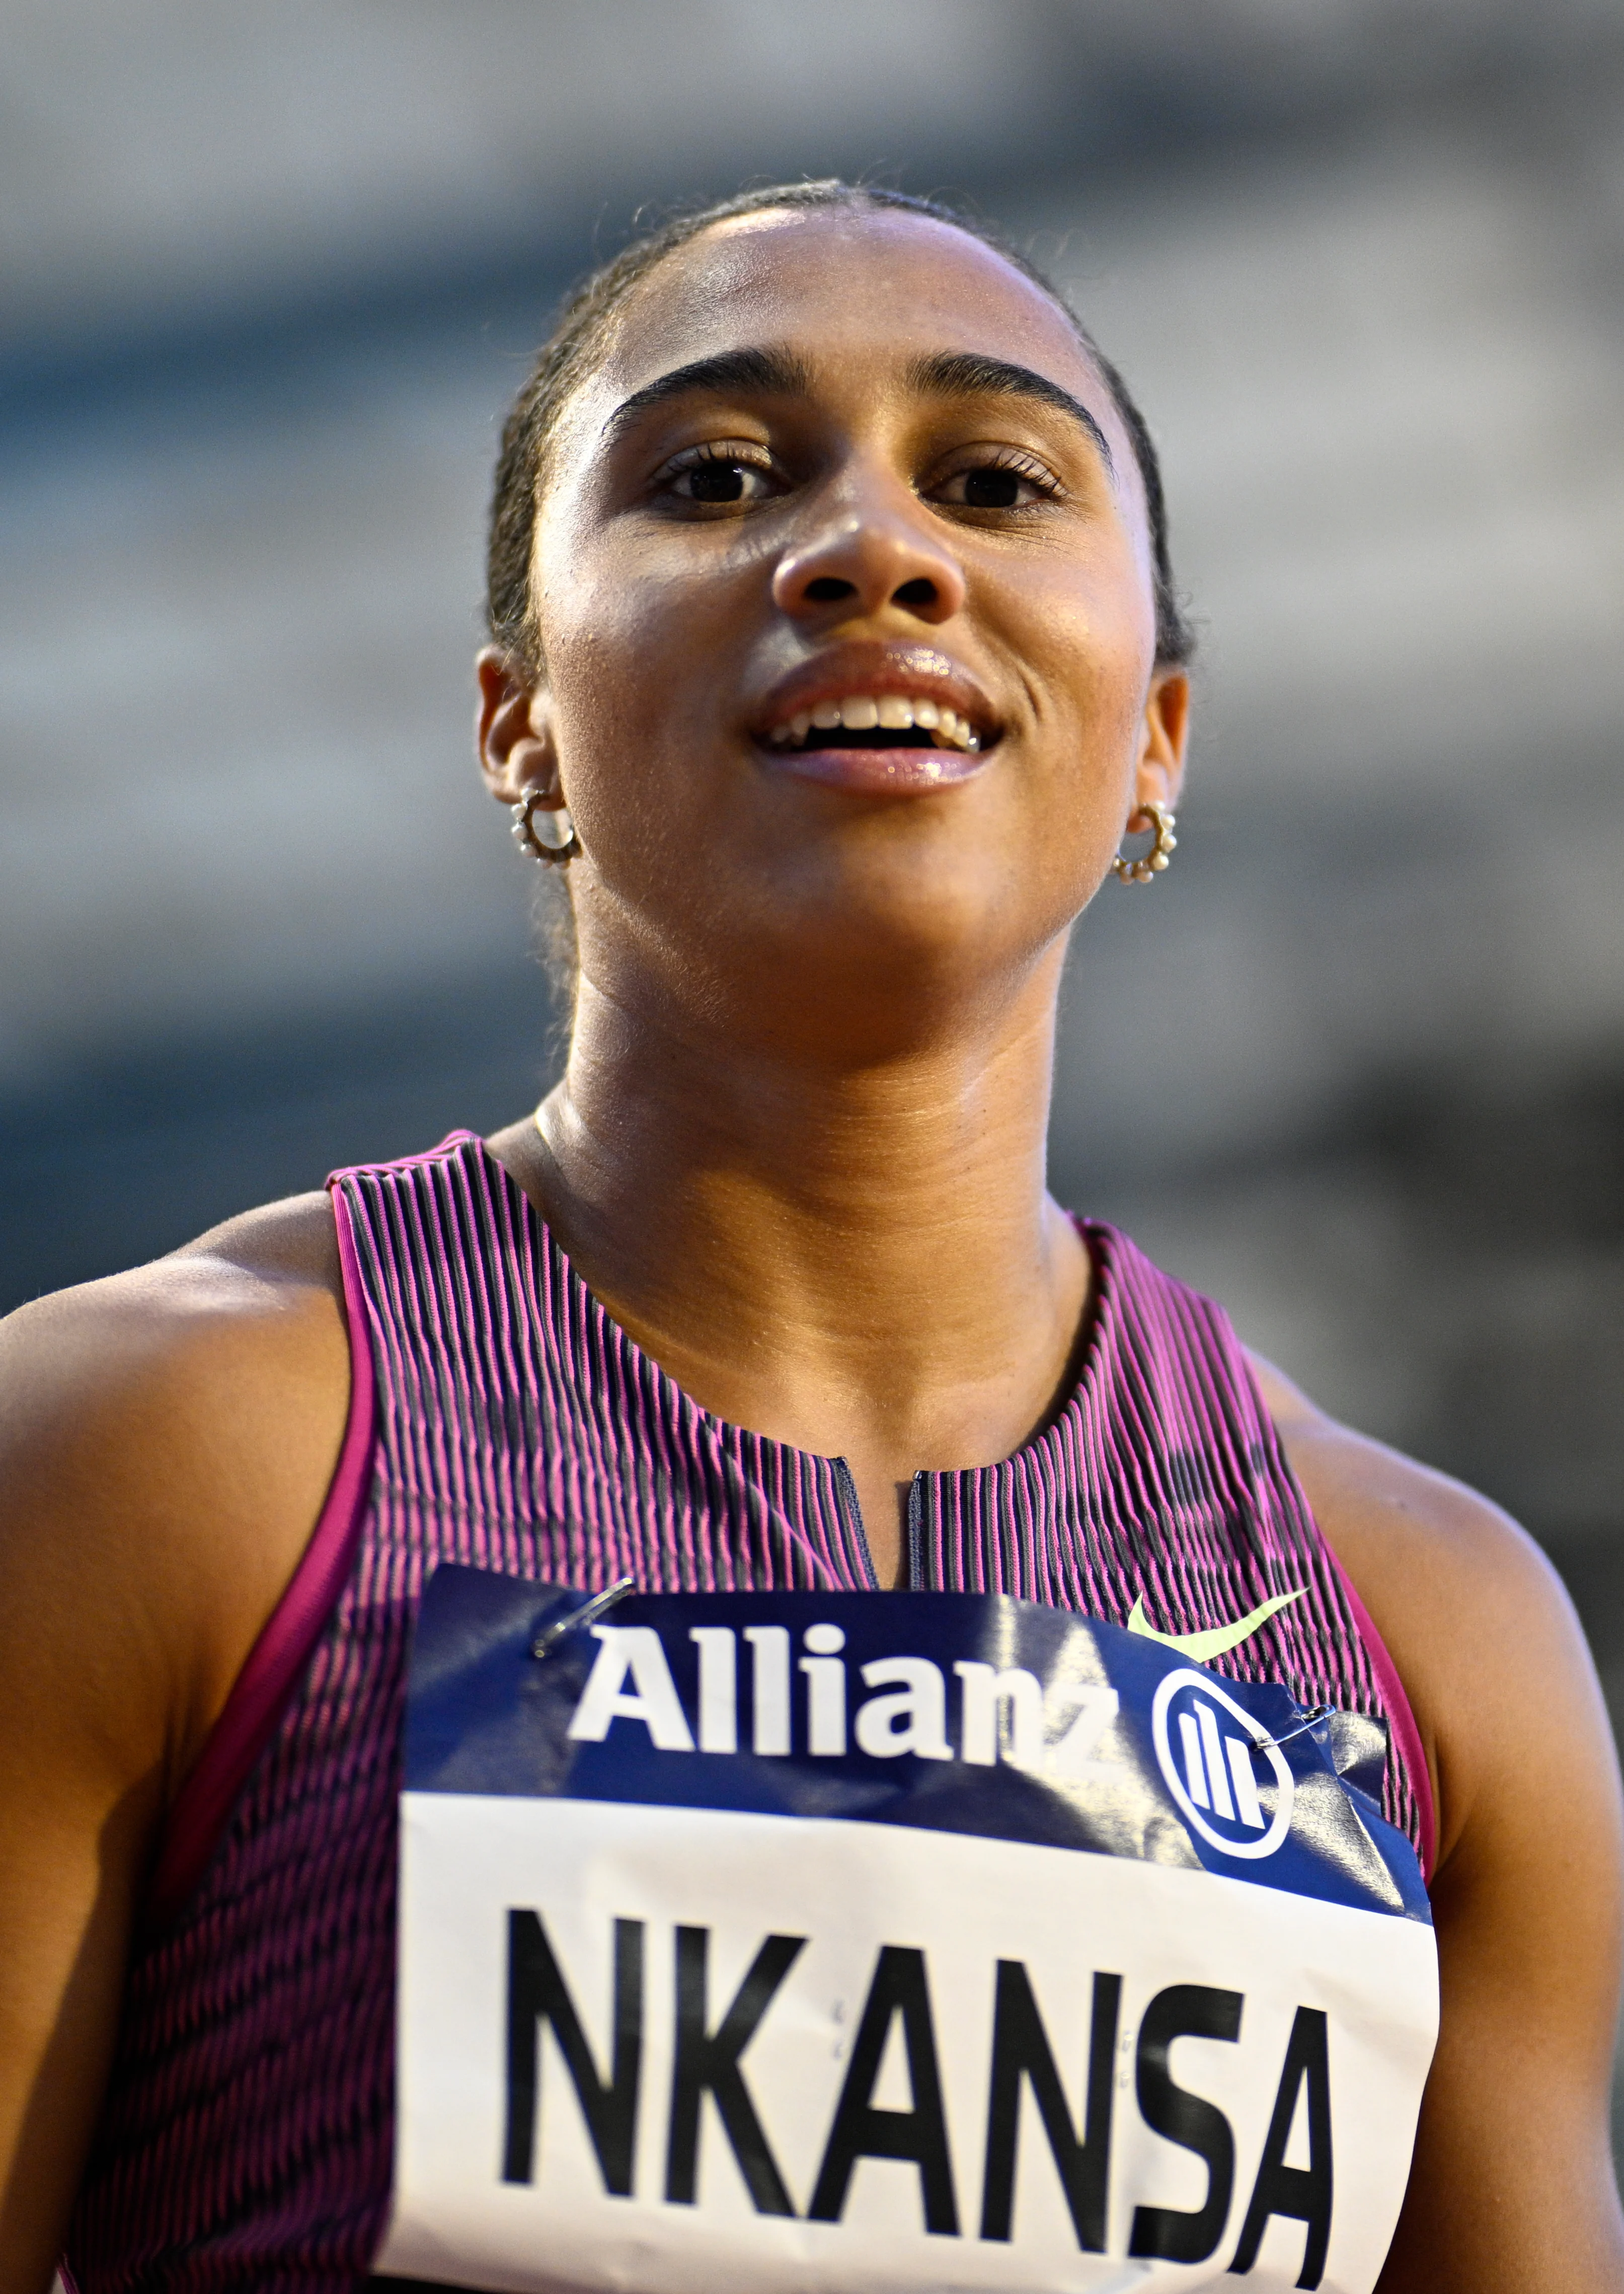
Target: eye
(718,474)
(999,481)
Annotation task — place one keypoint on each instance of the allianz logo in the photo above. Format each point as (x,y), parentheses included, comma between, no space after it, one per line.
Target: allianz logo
(1230,1779)
(752,1698)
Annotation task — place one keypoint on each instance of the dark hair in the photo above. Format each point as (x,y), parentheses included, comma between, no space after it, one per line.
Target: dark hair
(576,343)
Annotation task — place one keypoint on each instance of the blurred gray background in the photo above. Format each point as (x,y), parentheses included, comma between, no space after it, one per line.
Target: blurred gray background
(268,276)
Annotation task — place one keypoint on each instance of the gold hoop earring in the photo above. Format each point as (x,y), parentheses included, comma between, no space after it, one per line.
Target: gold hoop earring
(546,833)
(1140,872)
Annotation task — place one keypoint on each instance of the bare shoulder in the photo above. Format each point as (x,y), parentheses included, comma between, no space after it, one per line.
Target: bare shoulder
(1512,2186)
(1477,1622)
(166,1437)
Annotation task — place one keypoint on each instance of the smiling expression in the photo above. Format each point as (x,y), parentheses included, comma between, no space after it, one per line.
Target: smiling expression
(842,583)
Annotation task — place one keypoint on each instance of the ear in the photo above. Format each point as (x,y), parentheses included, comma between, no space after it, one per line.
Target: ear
(1159,775)
(512,732)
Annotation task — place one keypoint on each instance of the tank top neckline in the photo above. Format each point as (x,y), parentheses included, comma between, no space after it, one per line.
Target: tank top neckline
(1041,1451)
(1037,1449)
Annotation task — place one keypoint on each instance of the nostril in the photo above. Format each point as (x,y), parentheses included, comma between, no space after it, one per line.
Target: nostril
(920,593)
(828,588)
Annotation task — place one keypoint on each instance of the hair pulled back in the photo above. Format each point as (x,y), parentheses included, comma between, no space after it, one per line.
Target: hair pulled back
(577,342)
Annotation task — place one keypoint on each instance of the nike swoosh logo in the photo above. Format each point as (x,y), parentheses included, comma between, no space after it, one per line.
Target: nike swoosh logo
(1203,1646)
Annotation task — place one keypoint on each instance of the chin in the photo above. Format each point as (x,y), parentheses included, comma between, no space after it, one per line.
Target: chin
(896,949)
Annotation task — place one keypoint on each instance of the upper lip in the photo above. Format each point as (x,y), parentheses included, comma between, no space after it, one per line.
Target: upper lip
(872,667)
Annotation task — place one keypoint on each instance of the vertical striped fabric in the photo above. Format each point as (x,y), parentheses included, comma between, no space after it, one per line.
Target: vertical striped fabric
(247,2139)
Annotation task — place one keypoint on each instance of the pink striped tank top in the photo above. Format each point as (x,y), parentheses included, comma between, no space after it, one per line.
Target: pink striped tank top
(500,1418)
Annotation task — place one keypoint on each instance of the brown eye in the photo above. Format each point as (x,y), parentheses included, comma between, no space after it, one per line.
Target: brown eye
(991,489)
(997,484)
(718,480)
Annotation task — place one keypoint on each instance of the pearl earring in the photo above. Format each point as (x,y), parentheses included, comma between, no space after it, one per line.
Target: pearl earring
(1148,815)
(545,832)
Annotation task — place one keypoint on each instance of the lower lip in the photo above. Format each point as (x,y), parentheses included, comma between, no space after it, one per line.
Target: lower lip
(880,772)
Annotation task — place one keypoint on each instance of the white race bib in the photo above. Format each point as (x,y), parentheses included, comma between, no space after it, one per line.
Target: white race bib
(878,1941)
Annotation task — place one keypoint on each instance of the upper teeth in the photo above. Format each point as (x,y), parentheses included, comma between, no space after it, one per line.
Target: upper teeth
(861,712)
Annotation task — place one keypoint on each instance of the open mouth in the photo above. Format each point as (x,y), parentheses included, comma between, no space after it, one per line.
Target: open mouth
(888,721)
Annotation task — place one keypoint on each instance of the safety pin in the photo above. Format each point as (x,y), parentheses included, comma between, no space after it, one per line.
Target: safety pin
(550,1635)
(1308,1721)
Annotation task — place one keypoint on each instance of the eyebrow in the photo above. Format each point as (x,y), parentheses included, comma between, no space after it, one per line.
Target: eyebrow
(967,374)
(771,373)
(761,373)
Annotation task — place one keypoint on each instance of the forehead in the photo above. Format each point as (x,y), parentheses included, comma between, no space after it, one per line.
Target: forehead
(872,286)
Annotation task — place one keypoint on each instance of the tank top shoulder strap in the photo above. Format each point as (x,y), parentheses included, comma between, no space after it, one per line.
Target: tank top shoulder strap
(261,1691)
(1172,1353)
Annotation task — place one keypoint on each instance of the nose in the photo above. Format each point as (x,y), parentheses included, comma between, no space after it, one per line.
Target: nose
(868,555)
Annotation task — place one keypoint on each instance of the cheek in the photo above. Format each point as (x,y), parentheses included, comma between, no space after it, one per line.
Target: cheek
(1087,646)
(626,677)
(589,626)
(634,650)
(605,682)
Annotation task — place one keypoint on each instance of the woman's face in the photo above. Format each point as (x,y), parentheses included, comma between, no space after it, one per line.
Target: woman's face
(840,464)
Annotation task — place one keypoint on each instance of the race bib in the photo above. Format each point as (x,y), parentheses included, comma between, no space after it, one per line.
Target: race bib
(887,1940)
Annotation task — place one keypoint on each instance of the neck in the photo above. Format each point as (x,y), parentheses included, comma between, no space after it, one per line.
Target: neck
(860,1260)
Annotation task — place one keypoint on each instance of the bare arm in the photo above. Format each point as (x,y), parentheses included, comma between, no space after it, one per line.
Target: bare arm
(1512,2185)
(165,1442)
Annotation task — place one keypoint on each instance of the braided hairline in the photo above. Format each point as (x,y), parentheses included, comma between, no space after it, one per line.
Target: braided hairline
(576,343)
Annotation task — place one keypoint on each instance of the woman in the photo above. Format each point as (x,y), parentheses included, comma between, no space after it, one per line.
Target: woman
(834,654)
